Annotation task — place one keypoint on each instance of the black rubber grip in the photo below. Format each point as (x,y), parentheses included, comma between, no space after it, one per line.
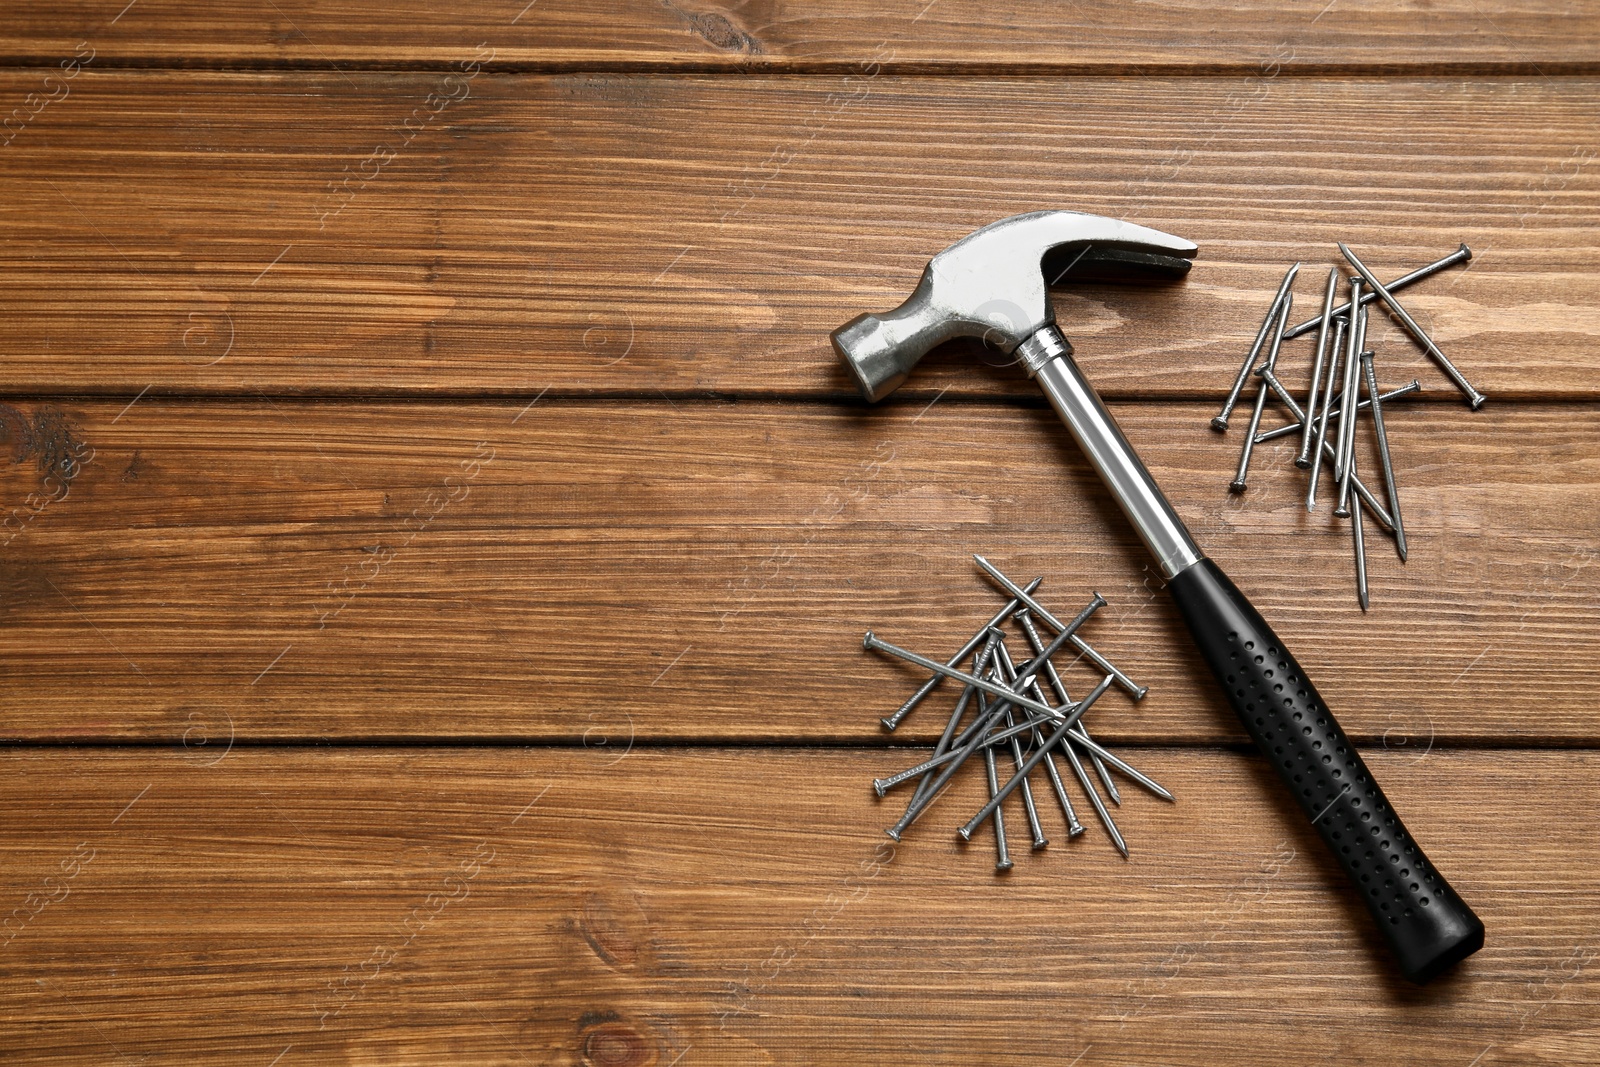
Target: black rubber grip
(1426,924)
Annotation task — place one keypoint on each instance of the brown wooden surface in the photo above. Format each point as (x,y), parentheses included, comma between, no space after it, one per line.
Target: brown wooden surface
(726,557)
(739,906)
(1532,36)
(611,234)
(436,539)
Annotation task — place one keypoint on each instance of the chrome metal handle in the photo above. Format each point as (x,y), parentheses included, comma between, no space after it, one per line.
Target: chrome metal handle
(1048,358)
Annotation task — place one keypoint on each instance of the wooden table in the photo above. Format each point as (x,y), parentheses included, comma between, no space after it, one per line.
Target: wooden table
(440,537)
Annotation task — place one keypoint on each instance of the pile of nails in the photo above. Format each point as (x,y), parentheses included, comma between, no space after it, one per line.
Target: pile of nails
(1341,356)
(1014,716)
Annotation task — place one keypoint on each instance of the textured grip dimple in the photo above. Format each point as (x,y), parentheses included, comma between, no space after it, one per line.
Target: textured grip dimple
(1426,924)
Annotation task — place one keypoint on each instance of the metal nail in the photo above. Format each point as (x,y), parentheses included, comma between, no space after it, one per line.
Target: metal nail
(1474,398)
(1002,857)
(1050,742)
(1347,424)
(1361,405)
(955,661)
(1121,764)
(1322,423)
(1074,827)
(1054,715)
(973,738)
(933,763)
(1362,492)
(1461,255)
(1083,779)
(1025,619)
(1302,459)
(1094,799)
(1371,376)
(1008,674)
(1220,422)
(1361,551)
(979,665)
(1008,735)
(872,643)
(960,754)
(1054,623)
(1028,807)
(1238,484)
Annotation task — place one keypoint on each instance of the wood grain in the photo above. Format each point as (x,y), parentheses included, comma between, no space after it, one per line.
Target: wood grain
(429,473)
(1534,36)
(189,232)
(741,906)
(281,569)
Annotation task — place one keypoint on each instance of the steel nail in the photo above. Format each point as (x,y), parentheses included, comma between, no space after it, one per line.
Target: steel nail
(1220,422)
(1028,807)
(955,661)
(1008,674)
(1474,398)
(933,763)
(1074,827)
(1361,405)
(1347,424)
(1362,492)
(959,755)
(1094,799)
(1327,407)
(1002,860)
(1122,765)
(996,734)
(1054,623)
(1088,787)
(1033,760)
(1460,255)
(974,737)
(872,643)
(1361,551)
(1371,375)
(1238,484)
(1302,459)
(1025,619)
(979,665)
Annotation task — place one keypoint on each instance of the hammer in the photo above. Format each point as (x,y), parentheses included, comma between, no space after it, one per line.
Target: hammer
(991,285)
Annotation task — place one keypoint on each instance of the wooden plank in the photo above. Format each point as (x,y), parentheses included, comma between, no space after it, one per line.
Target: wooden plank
(1534,37)
(280,569)
(591,234)
(741,906)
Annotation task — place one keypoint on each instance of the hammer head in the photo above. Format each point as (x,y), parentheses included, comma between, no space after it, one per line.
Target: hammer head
(992,285)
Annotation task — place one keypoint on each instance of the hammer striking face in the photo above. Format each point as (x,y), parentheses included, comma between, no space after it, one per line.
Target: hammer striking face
(992,285)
